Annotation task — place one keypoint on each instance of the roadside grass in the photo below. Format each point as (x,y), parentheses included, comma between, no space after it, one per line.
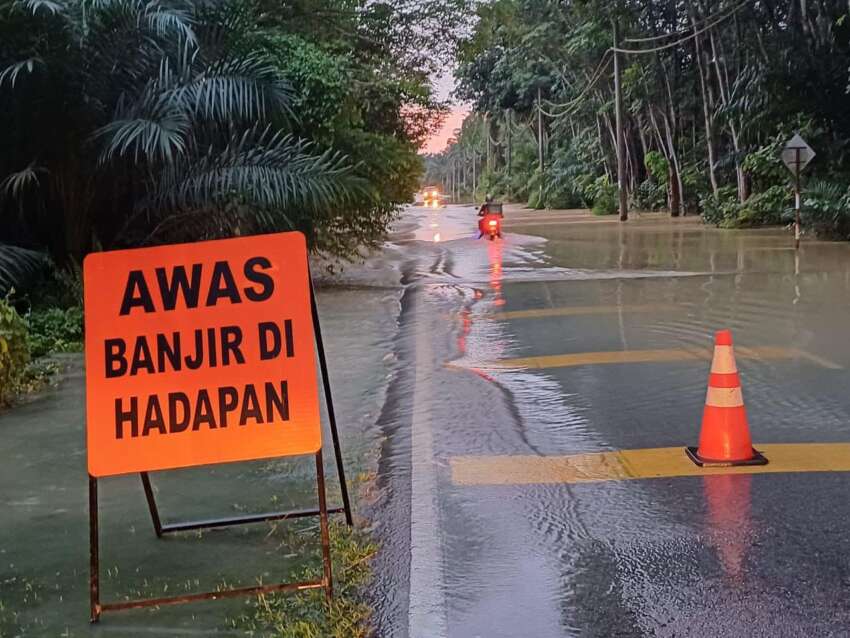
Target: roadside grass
(306,614)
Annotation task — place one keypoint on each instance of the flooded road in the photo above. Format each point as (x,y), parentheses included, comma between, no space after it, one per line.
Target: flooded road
(44,520)
(523,360)
(517,411)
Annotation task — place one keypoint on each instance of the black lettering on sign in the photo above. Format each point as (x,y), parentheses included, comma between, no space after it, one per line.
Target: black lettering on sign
(228,400)
(231,339)
(142,358)
(170,350)
(222,285)
(153,417)
(252,266)
(290,346)
(250,406)
(198,411)
(193,363)
(212,353)
(175,400)
(116,363)
(168,290)
(277,402)
(203,411)
(136,294)
(123,416)
(269,330)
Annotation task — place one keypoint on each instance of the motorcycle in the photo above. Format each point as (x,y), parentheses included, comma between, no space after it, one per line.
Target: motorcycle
(490,223)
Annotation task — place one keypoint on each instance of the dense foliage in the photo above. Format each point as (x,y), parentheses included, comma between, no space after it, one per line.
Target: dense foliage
(14,354)
(712,89)
(134,122)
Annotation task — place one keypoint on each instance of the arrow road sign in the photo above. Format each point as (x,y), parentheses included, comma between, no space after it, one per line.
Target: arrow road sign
(797,154)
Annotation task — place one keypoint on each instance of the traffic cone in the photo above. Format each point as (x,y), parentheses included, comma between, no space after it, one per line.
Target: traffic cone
(725,436)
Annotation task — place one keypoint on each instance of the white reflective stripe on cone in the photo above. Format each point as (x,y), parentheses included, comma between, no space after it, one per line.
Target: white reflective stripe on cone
(724,397)
(724,360)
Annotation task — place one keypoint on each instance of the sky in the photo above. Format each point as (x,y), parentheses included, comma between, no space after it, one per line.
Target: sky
(437,142)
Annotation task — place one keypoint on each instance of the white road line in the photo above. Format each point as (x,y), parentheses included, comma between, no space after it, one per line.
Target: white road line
(427,602)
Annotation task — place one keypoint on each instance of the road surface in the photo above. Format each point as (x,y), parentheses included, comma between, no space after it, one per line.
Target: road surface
(548,387)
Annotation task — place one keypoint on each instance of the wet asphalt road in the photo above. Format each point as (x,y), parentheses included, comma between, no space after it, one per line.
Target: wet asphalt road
(726,555)
(446,349)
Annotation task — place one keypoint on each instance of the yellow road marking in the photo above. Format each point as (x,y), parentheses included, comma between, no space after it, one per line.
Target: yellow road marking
(580,310)
(650,463)
(762,353)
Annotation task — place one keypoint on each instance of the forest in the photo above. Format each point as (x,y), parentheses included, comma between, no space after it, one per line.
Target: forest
(140,122)
(711,91)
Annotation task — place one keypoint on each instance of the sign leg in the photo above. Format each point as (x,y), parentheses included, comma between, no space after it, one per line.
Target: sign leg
(94,559)
(327,576)
(326,381)
(151,499)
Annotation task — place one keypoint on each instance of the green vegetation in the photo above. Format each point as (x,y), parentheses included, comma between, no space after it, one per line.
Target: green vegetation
(26,340)
(711,90)
(306,614)
(55,330)
(14,353)
(131,123)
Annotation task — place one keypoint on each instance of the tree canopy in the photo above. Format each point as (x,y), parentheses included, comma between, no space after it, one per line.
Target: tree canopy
(132,122)
(711,89)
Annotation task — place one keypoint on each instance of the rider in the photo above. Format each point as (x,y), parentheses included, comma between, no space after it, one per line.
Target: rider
(485,213)
(488,199)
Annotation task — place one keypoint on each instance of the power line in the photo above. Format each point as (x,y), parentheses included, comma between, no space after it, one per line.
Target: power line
(569,107)
(670,45)
(664,36)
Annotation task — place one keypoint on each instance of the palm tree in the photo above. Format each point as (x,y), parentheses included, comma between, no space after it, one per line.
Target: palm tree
(141,121)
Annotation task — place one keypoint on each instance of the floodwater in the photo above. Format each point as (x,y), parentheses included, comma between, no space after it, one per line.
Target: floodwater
(446,348)
(43,495)
(732,555)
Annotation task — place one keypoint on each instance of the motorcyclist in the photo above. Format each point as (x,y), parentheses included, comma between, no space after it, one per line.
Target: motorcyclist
(488,199)
(486,213)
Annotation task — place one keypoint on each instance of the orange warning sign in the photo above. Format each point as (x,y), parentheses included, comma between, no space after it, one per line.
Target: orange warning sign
(199,353)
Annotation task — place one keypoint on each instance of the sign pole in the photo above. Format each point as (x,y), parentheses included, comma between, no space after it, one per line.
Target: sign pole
(326,383)
(94,555)
(796,155)
(797,198)
(327,576)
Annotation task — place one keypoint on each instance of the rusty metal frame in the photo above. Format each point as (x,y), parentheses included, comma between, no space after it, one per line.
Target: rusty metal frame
(171,528)
(97,607)
(326,583)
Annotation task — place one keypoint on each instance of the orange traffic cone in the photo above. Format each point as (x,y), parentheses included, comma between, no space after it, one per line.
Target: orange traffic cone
(725,436)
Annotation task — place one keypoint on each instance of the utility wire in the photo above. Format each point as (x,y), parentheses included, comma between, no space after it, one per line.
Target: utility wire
(594,77)
(681,31)
(670,45)
(570,107)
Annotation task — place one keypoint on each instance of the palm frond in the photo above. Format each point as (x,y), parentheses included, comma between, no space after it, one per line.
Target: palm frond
(49,6)
(261,168)
(244,89)
(10,73)
(164,21)
(18,266)
(15,184)
(149,128)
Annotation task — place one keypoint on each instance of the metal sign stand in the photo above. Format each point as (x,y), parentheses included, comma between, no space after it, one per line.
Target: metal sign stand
(326,582)
(796,155)
(796,150)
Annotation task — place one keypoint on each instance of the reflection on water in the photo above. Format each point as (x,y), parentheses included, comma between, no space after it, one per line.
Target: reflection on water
(640,557)
(494,255)
(728,526)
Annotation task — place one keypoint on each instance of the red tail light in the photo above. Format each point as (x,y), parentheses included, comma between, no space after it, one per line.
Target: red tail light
(493,223)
